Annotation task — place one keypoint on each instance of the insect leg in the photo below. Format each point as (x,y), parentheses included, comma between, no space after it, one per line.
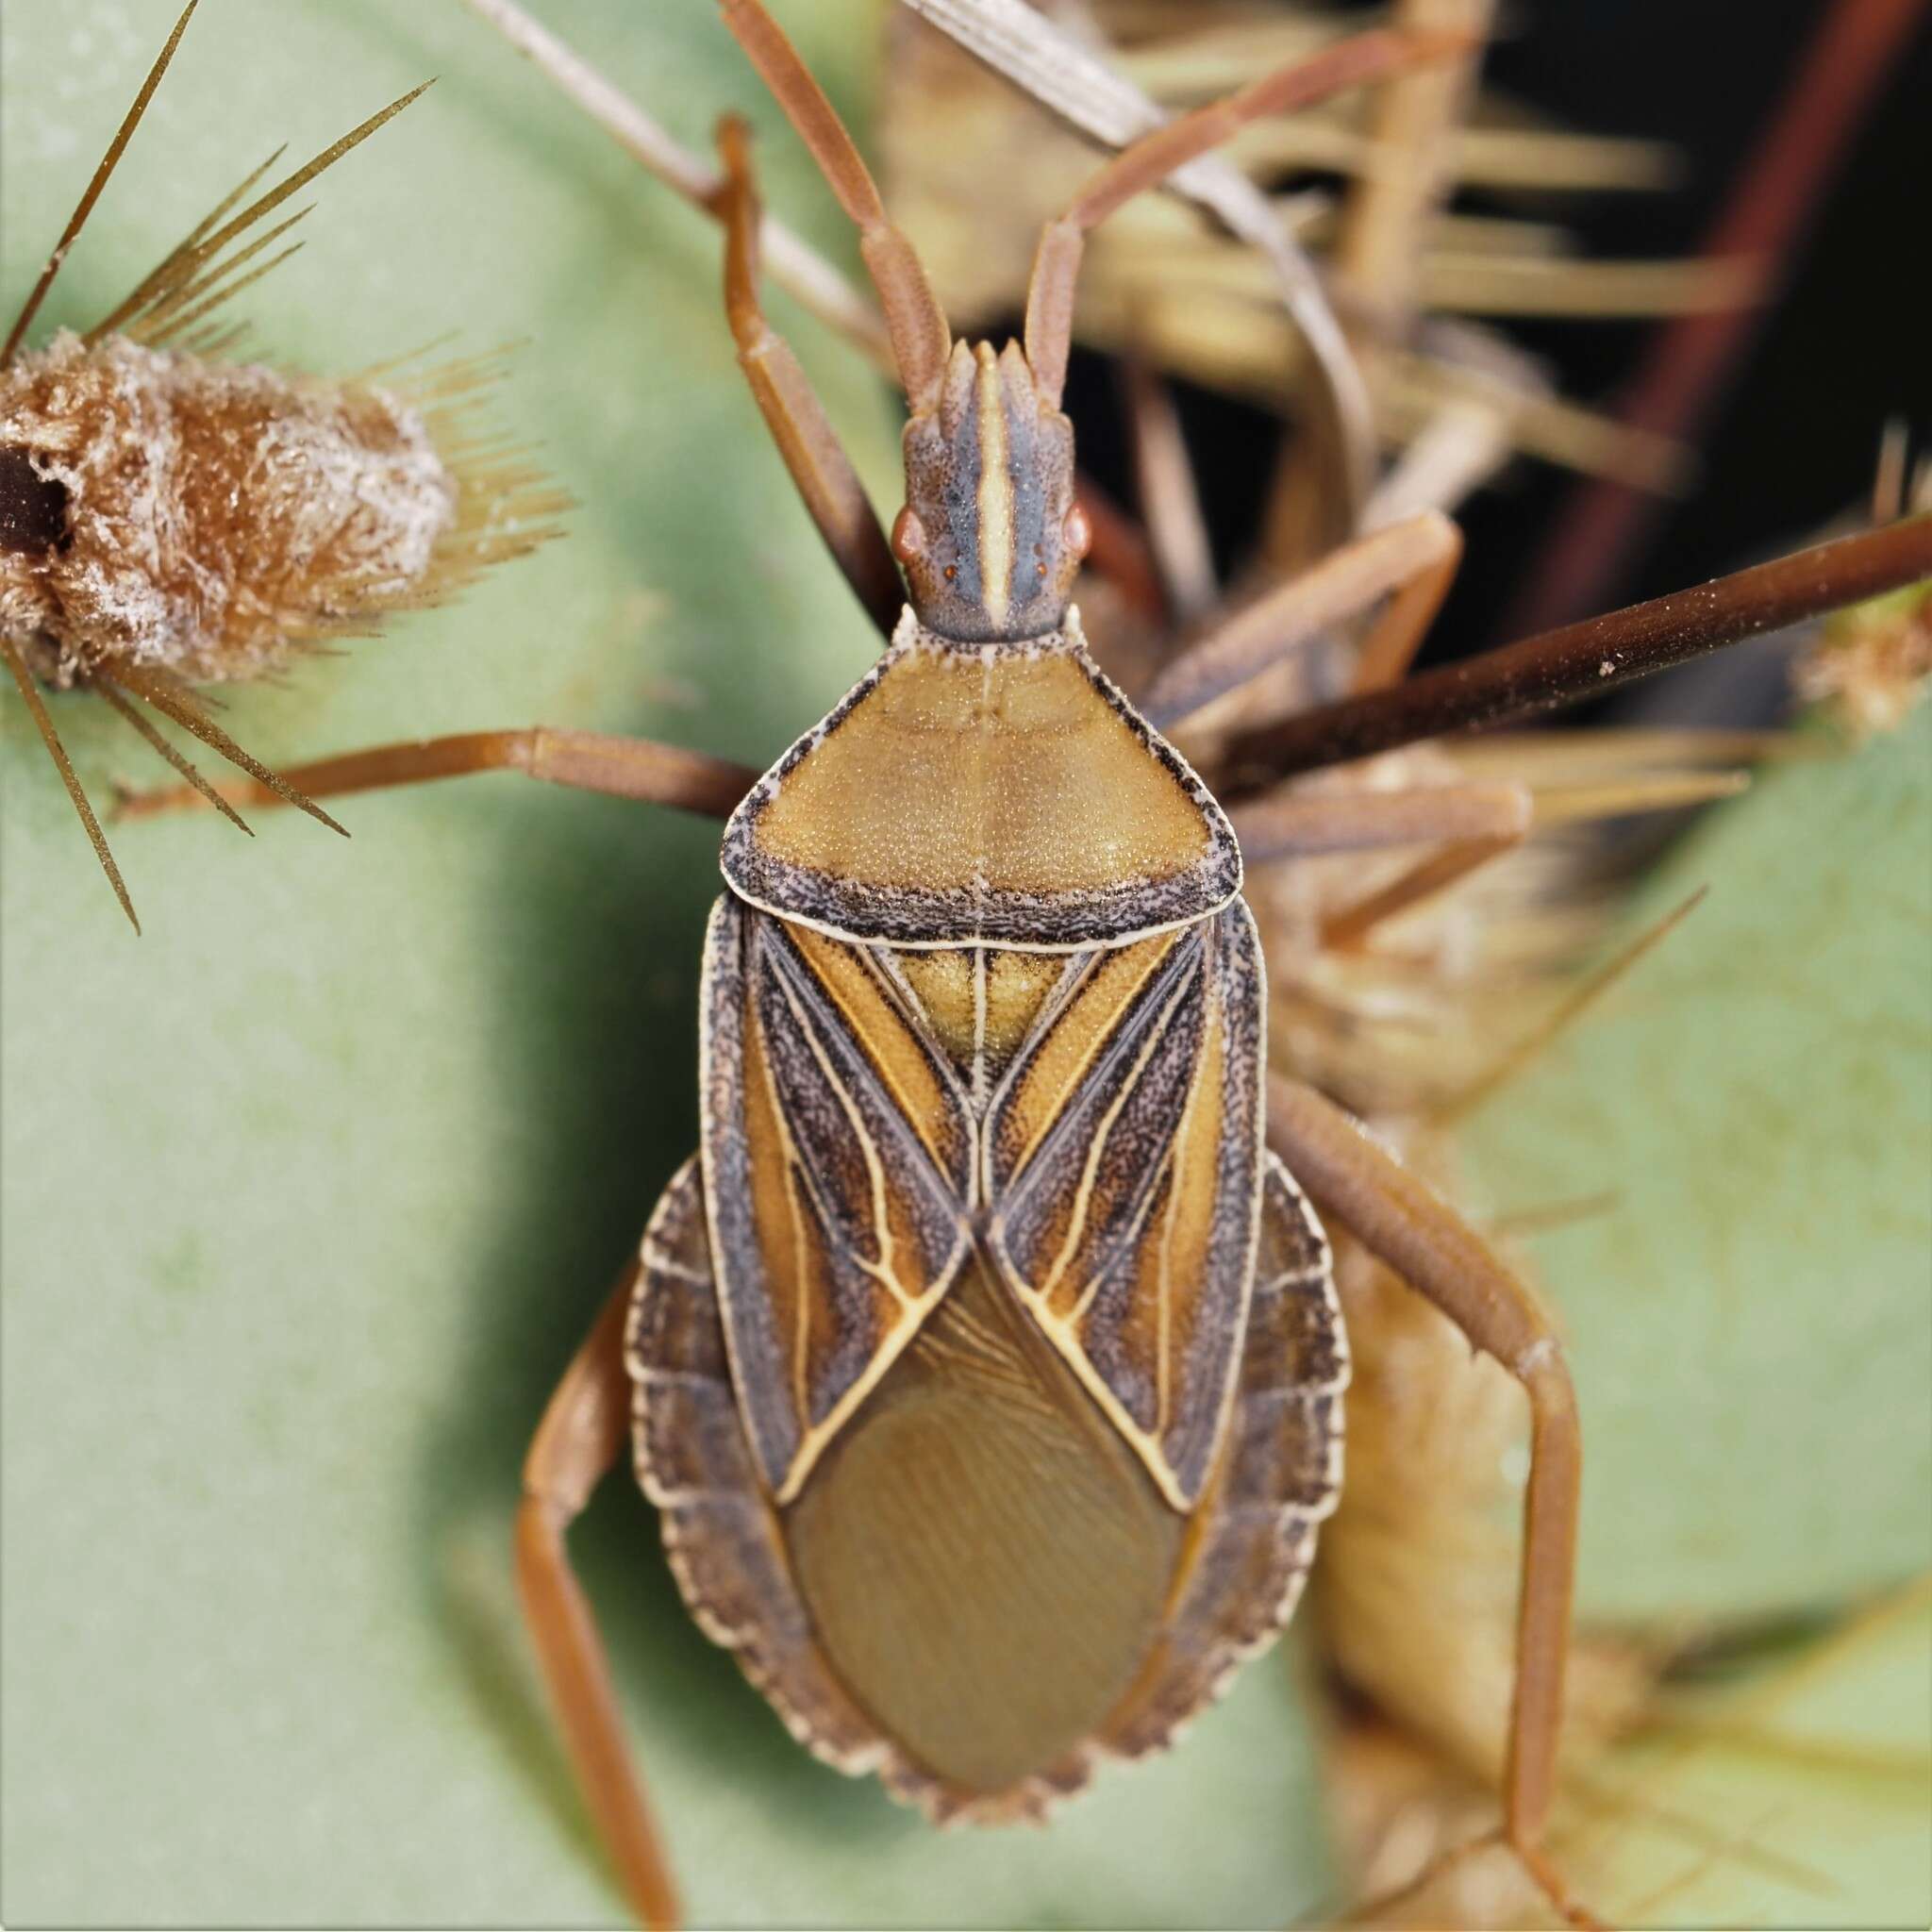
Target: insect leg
(1406,1224)
(794,264)
(914,320)
(584,1433)
(792,412)
(1119,551)
(584,761)
(1416,558)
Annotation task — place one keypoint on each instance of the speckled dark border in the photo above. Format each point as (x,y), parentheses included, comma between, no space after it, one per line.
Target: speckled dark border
(913,916)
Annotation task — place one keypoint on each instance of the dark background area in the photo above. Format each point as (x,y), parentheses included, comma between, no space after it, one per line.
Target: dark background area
(1793,439)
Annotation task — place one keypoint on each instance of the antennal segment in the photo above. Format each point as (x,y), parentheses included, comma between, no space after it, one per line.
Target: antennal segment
(1152,158)
(914,320)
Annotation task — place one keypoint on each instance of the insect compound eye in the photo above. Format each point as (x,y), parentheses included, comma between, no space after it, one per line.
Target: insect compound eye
(33,508)
(1077,533)
(908,535)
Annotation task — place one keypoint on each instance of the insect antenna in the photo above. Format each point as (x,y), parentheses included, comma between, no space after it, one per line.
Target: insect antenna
(171,698)
(808,445)
(1155,156)
(75,223)
(51,739)
(118,700)
(194,253)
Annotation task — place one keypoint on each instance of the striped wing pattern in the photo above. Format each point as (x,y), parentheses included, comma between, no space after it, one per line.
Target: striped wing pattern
(1124,1167)
(837,1150)
(1114,1172)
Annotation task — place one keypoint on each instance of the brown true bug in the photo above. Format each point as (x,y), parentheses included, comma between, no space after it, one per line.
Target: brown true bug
(985,1344)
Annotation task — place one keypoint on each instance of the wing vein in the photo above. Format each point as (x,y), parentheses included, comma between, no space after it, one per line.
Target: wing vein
(1083,1198)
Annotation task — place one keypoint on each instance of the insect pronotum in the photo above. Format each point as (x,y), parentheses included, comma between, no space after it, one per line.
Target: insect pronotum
(985,1363)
